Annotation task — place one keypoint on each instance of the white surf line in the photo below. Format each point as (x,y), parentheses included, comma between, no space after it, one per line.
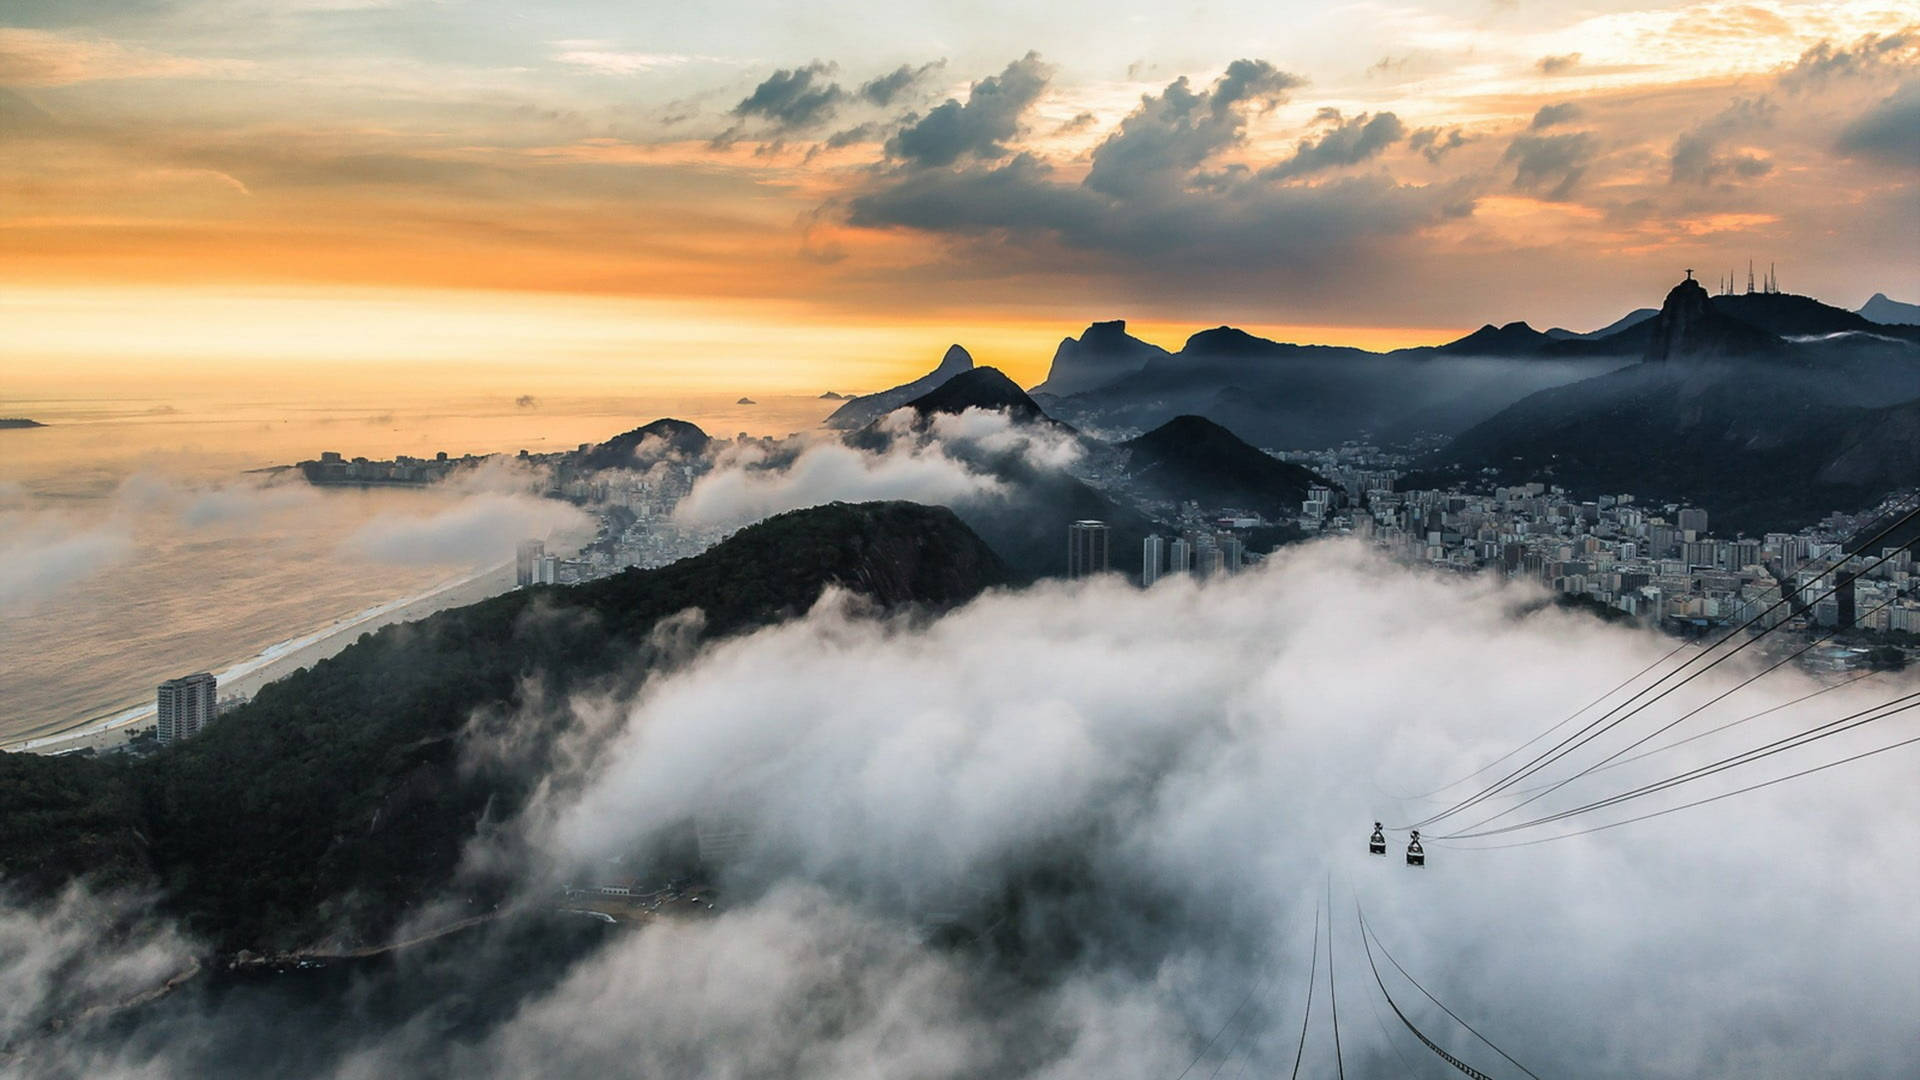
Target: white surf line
(269,655)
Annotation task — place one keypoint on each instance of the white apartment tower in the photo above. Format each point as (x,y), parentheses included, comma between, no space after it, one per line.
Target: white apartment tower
(1152,557)
(186,704)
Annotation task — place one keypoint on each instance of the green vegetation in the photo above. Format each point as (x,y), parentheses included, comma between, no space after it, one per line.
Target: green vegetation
(343,794)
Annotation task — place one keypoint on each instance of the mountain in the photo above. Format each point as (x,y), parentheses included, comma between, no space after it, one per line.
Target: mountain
(339,802)
(1191,457)
(1513,339)
(860,411)
(644,446)
(981,388)
(1102,354)
(1767,432)
(1888,312)
(1792,316)
(1285,395)
(1691,326)
(1625,322)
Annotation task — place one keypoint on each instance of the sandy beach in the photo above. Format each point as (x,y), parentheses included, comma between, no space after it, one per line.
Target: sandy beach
(245,678)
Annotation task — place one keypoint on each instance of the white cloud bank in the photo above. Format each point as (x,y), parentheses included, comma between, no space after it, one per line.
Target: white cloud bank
(1138,799)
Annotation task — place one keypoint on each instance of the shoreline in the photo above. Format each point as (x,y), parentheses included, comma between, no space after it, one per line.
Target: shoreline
(246,677)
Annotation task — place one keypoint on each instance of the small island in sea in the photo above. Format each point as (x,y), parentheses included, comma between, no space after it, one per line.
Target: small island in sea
(746,401)
(19,422)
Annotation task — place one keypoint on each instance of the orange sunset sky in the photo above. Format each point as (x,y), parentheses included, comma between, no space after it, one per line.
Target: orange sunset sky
(795,196)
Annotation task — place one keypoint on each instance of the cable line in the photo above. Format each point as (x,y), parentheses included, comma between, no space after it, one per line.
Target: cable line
(1849,759)
(1790,742)
(1556,785)
(1828,689)
(1223,1030)
(1571,717)
(1333,991)
(1417,1033)
(1367,928)
(1589,733)
(1313,971)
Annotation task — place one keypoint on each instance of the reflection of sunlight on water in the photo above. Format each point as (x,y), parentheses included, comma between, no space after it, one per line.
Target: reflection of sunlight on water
(217,572)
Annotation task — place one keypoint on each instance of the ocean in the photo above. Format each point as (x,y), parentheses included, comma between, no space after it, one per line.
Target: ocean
(137,541)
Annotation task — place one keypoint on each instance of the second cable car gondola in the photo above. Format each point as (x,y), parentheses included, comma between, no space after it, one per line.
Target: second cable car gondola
(1377,843)
(1416,855)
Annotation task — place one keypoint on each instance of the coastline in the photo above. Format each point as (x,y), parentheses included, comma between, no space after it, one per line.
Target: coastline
(246,677)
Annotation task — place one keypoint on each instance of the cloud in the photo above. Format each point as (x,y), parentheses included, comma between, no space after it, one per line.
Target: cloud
(1559,160)
(1871,54)
(75,953)
(1153,191)
(1888,133)
(1431,143)
(1549,115)
(236,504)
(794,99)
(749,486)
(884,90)
(1698,157)
(601,59)
(1149,789)
(982,127)
(477,530)
(1355,140)
(42,554)
(1086,829)
(1557,65)
(1170,134)
(43,58)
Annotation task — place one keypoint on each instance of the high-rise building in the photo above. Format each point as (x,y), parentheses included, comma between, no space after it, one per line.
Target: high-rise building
(526,562)
(186,704)
(1694,520)
(1180,556)
(1153,552)
(1233,552)
(1086,548)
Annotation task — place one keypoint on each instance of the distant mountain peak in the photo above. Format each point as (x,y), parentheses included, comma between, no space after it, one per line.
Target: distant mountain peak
(860,411)
(1103,354)
(1887,311)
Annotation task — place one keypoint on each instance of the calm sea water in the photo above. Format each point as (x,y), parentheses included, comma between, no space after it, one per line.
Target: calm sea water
(137,545)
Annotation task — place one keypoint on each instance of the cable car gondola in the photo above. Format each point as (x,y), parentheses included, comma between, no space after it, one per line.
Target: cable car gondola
(1377,843)
(1416,855)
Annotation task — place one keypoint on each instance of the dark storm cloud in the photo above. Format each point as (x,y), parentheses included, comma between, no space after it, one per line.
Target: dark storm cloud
(1238,222)
(1874,52)
(1154,191)
(1549,115)
(982,127)
(1889,132)
(1557,65)
(1170,134)
(1352,142)
(794,98)
(1699,156)
(1556,160)
(884,90)
(1431,142)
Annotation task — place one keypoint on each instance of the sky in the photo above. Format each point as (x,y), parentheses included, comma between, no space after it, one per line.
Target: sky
(784,197)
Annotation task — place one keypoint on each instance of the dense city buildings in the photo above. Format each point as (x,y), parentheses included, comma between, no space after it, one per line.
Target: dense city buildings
(185,705)
(1658,563)
(1086,548)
